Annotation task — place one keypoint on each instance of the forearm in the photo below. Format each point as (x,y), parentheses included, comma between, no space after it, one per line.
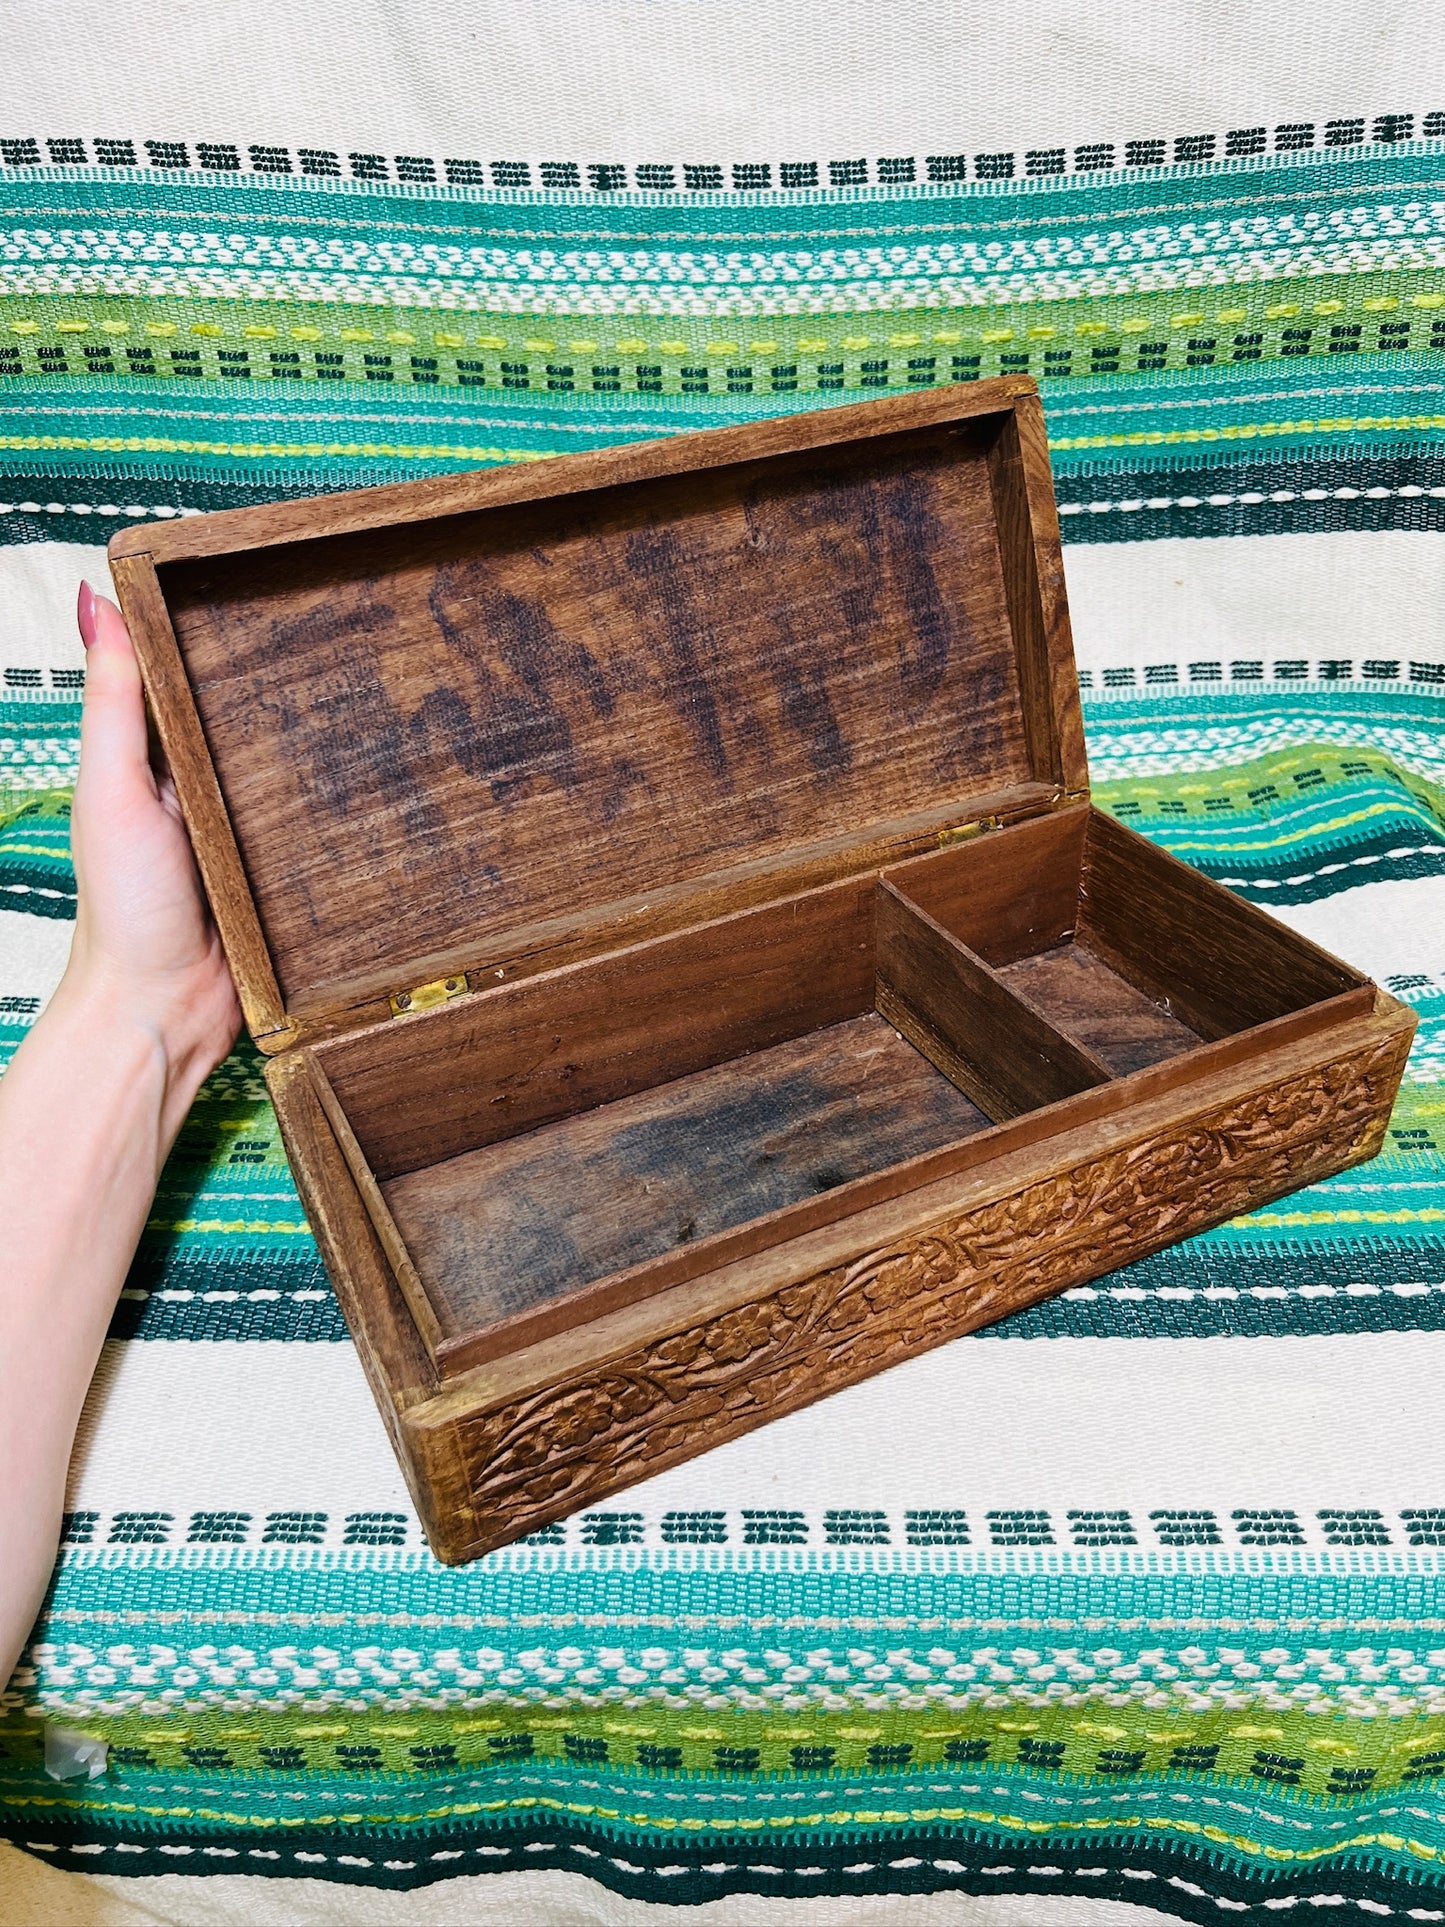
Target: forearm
(88,1109)
(92,1101)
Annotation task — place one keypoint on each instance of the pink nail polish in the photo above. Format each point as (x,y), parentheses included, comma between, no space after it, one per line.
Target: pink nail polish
(85,613)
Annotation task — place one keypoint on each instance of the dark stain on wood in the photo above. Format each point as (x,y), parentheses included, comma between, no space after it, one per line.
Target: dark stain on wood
(499,1230)
(515,733)
(348,731)
(520,713)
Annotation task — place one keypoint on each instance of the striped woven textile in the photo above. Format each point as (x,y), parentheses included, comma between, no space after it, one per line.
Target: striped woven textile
(1128,1610)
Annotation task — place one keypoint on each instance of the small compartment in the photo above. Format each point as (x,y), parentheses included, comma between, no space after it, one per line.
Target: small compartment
(1073,926)
(1098,1007)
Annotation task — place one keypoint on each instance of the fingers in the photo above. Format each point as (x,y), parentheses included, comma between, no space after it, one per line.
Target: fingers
(113,744)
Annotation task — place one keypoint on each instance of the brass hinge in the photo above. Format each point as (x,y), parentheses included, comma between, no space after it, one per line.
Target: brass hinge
(427,996)
(965,832)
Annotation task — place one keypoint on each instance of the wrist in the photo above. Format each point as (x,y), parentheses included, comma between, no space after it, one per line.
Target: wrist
(141,1035)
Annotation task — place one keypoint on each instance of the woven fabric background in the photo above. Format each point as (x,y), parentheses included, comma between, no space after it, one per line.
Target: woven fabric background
(1130,1609)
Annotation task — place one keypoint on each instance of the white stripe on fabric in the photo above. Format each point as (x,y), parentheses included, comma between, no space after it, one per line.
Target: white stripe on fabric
(1384,929)
(1350,593)
(179,1426)
(34,952)
(38,585)
(624,80)
(1299,1423)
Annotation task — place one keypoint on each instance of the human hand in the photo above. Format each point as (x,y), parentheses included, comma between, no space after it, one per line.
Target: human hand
(145,951)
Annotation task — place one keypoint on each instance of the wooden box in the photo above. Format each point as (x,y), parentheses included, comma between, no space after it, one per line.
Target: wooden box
(693,974)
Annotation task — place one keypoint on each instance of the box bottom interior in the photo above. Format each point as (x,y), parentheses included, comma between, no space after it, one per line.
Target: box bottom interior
(1098,1008)
(511,1225)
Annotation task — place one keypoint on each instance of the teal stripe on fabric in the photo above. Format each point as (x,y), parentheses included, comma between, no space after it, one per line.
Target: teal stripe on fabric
(1270,1820)
(1136,737)
(1255,493)
(294,432)
(1294,827)
(1336,406)
(1191,192)
(1267,1287)
(758,1586)
(292,429)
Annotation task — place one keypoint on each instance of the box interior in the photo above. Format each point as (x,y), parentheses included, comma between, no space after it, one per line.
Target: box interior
(560,1146)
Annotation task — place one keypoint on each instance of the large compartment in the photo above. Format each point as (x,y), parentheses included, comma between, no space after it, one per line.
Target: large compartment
(510,1226)
(552,1149)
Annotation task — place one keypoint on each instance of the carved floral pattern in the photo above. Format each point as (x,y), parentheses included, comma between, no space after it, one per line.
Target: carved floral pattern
(570,1444)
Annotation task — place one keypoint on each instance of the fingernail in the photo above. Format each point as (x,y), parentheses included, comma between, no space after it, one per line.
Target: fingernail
(85,613)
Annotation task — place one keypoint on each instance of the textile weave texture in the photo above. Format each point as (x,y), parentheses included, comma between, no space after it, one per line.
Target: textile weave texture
(1129,1608)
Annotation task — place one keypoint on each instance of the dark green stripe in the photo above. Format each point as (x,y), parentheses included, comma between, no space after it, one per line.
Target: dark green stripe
(35,888)
(1322,476)
(1328,866)
(1121,1863)
(1203,1264)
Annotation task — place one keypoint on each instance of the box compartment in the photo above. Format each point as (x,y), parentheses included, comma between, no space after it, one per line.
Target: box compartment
(1107,941)
(510,1226)
(549,1151)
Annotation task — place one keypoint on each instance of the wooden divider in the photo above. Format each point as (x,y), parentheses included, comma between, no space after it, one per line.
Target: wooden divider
(999,1049)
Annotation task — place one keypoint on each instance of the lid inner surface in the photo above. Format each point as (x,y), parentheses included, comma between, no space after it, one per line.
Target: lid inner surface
(446,731)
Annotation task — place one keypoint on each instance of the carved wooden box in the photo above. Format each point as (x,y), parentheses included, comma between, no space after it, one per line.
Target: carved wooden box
(693,974)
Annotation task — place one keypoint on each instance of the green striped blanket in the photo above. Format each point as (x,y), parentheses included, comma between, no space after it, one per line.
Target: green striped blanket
(1131,1603)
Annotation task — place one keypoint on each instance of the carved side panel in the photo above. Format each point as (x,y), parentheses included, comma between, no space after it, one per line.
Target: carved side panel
(571,1444)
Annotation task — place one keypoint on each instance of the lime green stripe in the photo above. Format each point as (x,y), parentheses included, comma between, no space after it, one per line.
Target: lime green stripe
(1270,308)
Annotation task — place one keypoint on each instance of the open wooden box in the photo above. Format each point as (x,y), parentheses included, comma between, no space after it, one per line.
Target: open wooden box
(694,975)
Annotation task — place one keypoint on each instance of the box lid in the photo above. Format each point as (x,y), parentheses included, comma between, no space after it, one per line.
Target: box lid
(484,723)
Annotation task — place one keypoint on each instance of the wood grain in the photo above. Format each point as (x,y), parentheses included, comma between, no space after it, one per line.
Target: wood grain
(1125,1111)
(1081,996)
(585,933)
(1006,895)
(556,707)
(1217,963)
(569,1321)
(584,1420)
(418,1303)
(178,726)
(509,1230)
(1033,566)
(397,1364)
(648,744)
